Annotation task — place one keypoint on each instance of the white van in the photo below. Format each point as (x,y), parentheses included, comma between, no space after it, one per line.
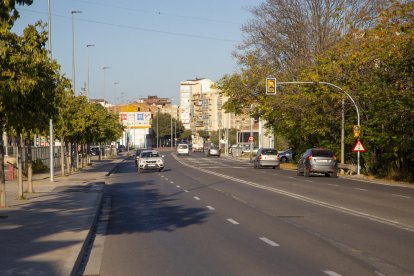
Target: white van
(183,149)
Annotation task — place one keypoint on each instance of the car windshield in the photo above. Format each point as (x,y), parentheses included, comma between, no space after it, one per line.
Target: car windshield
(322,153)
(150,154)
(269,151)
(182,146)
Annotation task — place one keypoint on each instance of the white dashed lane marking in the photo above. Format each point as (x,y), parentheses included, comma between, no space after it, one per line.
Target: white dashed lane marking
(232,221)
(211,208)
(196,198)
(178,186)
(331,273)
(269,242)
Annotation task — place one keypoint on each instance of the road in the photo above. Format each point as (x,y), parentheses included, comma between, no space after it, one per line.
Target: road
(216,216)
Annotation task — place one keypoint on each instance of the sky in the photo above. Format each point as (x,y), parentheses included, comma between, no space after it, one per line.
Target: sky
(149,46)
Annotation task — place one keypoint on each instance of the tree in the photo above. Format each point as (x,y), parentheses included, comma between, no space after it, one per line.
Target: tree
(8,15)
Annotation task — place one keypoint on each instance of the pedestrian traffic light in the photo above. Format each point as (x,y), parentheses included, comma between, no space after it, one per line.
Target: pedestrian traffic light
(271,86)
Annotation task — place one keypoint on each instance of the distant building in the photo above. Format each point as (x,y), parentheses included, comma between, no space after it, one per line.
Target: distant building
(154,100)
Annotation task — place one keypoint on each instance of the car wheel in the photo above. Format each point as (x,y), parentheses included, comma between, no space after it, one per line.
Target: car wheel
(335,174)
(306,172)
(298,173)
(283,159)
(160,170)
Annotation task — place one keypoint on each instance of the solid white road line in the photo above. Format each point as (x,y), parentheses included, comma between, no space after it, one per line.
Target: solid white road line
(403,196)
(211,208)
(232,221)
(269,242)
(303,198)
(359,189)
(331,273)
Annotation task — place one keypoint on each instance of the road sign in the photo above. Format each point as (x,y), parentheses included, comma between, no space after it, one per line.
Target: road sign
(251,139)
(357,131)
(358,146)
(271,86)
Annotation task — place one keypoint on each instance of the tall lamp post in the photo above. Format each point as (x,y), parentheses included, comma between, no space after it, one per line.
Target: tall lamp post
(73,49)
(158,113)
(88,93)
(104,69)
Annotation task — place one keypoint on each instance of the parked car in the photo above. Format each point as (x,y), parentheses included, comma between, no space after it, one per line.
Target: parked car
(318,160)
(286,156)
(183,149)
(266,157)
(246,149)
(213,151)
(150,160)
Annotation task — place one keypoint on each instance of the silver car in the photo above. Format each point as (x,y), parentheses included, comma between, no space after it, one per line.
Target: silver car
(213,151)
(150,160)
(266,157)
(318,160)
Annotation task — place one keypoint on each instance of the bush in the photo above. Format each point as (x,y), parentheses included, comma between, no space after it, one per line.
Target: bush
(39,167)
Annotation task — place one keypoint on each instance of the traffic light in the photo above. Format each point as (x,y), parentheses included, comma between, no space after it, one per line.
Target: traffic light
(357,131)
(271,86)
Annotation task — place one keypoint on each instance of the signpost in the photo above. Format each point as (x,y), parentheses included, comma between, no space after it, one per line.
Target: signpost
(271,90)
(358,147)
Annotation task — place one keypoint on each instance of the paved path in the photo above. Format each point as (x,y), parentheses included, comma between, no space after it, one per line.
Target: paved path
(46,233)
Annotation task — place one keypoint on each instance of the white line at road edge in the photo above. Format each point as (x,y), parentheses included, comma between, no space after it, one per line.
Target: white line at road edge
(307,199)
(331,273)
(269,242)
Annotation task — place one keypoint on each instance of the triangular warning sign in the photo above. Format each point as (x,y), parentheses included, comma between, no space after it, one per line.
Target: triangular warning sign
(358,146)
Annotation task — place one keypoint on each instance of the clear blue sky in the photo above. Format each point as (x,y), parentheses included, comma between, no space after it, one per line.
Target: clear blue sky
(149,45)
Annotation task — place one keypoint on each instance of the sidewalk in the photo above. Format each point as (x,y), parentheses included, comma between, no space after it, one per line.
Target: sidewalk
(46,233)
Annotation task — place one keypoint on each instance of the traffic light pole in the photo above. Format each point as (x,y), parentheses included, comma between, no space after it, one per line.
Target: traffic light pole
(340,89)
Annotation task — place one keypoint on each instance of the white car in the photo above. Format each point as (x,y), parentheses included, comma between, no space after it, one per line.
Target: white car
(183,149)
(150,160)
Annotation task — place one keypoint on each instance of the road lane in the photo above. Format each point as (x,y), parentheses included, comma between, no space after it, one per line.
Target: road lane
(204,224)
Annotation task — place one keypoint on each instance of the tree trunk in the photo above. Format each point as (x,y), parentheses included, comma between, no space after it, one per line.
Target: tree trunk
(68,157)
(62,157)
(2,176)
(29,166)
(100,151)
(20,166)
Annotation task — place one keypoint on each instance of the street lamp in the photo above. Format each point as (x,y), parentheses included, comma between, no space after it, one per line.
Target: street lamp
(73,50)
(158,113)
(115,84)
(104,69)
(88,93)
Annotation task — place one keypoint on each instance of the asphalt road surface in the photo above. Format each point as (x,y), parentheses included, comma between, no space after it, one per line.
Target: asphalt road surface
(216,216)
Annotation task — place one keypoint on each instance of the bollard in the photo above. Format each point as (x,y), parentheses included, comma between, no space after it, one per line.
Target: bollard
(11,172)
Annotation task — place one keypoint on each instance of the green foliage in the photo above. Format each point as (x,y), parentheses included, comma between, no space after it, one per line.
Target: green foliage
(375,66)
(166,124)
(39,167)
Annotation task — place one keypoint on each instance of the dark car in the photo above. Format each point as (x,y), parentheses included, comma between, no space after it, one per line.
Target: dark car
(137,154)
(286,155)
(318,160)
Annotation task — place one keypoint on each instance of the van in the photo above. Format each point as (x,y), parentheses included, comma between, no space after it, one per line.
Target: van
(183,149)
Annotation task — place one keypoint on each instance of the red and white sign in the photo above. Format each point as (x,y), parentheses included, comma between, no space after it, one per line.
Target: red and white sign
(251,139)
(358,147)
